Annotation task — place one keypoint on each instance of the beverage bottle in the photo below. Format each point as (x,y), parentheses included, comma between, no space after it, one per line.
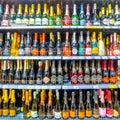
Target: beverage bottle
(1,43)
(25,19)
(104,20)
(88,16)
(111,45)
(12,15)
(23,100)
(32,15)
(19,16)
(118,72)
(0,102)
(1,13)
(66,73)
(107,46)
(45,20)
(51,18)
(38,15)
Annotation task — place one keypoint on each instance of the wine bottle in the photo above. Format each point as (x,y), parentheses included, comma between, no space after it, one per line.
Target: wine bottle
(38,15)
(32,15)
(19,15)
(51,18)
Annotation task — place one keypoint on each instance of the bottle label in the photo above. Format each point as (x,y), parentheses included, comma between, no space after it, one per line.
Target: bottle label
(65,114)
(25,21)
(38,21)
(44,21)
(75,21)
(18,21)
(83,22)
(112,21)
(80,78)
(46,80)
(74,79)
(101,51)
(87,79)
(102,112)
(12,112)
(35,52)
(67,21)
(5,112)
(115,113)
(88,51)
(53,79)
(50,52)
(72,114)
(28,114)
(74,51)
(60,79)
(96,113)
(117,23)
(51,21)
(39,80)
(109,112)
(21,52)
(34,114)
(105,21)
(88,23)
(81,114)
(6,52)
(58,51)
(99,78)
(0,111)
(88,113)
(96,22)
(58,21)
(116,52)
(28,51)
(5,23)
(31,21)
(93,79)
(81,51)
(66,78)
(57,115)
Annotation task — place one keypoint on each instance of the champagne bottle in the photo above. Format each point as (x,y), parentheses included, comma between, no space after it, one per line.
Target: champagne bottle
(23,100)
(73,107)
(118,71)
(57,106)
(12,16)
(25,19)
(88,16)
(1,14)
(19,15)
(58,44)
(0,102)
(1,43)
(32,15)
(66,72)
(51,18)
(81,109)
(38,15)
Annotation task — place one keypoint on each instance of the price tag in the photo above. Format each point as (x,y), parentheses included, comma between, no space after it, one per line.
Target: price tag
(38,87)
(44,87)
(5,86)
(49,27)
(65,87)
(112,86)
(30,87)
(94,27)
(20,86)
(76,87)
(95,87)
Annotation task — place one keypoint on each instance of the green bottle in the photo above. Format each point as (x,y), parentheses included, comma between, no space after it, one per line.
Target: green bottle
(51,18)
(45,16)
(38,16)
(12,15)
(32,16)
(75,18)
(19,15)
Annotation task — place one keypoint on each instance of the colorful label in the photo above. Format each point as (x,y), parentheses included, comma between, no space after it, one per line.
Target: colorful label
(83,22)
(58,21)
(38,21)
(57,115)
(80,78)
(74,79)
(60,79)
(74,51)
(72,114)
(102,112)
(75,21)
(12,112)
(87,79)
(88,51)
(88,113)
(109,112)
(115,113)
(53,79)
(5,112)
(65,114)
(81,114)
(34,114)
(81,51)
(67,21)
(44,21)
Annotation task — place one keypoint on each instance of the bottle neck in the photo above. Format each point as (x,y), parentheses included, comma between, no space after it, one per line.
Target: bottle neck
(88,37)
(102,96)
(116,9)
(67,10)
(27,98)
(81,9)
(1,10)
(73,97)
(74,38)
(74,10)
(51,11)
(58,9)
(88,9)
(88,97)
(81,97)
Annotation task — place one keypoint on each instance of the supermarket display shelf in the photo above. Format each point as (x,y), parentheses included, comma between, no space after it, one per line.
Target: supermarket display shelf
(20,86)
(24,27)
(64,86)
(20,117)
(58,57)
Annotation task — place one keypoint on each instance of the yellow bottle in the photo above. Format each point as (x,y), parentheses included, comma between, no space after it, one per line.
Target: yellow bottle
(32,15)
(25,15)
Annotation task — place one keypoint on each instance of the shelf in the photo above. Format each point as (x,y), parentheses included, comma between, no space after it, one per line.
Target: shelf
(30,57)
(19,86)
(24,27)
(20,117)
(58,57)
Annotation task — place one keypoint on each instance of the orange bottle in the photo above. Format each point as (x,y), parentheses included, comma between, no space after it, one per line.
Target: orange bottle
(43,50)
(67,48)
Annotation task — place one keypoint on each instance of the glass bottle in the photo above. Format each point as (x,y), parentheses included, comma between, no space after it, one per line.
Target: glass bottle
(58,19)
(0,102)
(53,73)
(32,15)
(66,19)
(88,111)
(75,18)
(107,46)
(88,16)
(12,16)
(38,15)
(88,47)
(82,16)
(65,112)
(102,106)
(46,78)
(57,106)
(19,15)
(81,109)
(25,19)
(23,100)
(5,19)
(34,113)
(1,13)
(1,43)
(104,20)
(51,18)
(81,44)
(118,72)
(45,16)
(39,75)
(66,73)
(73,107)
(111,45)
(86,73)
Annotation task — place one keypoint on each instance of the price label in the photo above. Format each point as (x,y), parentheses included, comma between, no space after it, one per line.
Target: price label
(49,27)
(75,87)
(97,57)
(95,87)
(44,87)
(5,86)
(20,86)
(112,86)
(38,87)
(29,87)
(65,87)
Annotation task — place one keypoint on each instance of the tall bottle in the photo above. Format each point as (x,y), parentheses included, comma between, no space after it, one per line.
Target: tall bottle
(38,15)
(23,100)
(32,15)
(67,48)
(96,105)
(93,73)
(112,72)
(43,50)
(45,16)
(0,102)
(5,110)
(105,77)
(66,19)
(88,16)
(104,20)
(73,78)
(35,48)
(12,105)
(12,15)
(53,73)
(26,112)
(101,45)
(86,73)
(58,19)
(81,109)
(81,44)
(17,73)
(58,44)
(88,47)
(5,20)
(118,72)
(75,18)
(34,106)
(107,46)
(25,19)
(74,45)
(88,111)
(73,106)
(117,14)
(102,106)
(1,14)
(19,15)
(51,18)
(109,107)
(65,112)
(82,16)
(32,74)
(66,72)
(39,75)
(1,43)
(94,44)
(99,72)
(46,78)
(96,20)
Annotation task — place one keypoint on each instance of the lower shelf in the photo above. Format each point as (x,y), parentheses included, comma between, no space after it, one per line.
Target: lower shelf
(20,117)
